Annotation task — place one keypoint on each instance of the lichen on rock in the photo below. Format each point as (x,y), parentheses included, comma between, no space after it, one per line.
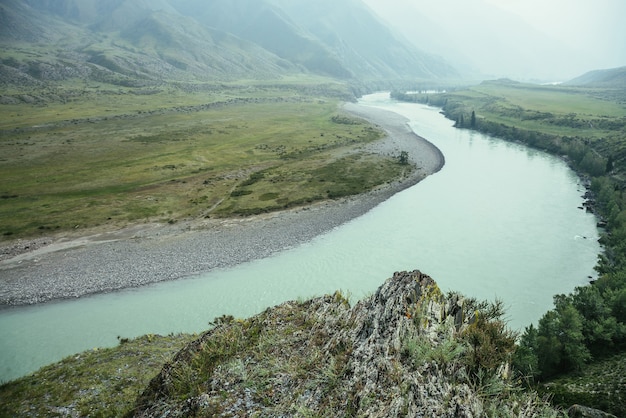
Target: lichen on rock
(408,350)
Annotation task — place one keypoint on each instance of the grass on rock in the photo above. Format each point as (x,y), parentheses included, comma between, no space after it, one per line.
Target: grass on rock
(100,382)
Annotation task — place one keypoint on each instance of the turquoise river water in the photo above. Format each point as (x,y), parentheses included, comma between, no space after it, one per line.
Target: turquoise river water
(498,221)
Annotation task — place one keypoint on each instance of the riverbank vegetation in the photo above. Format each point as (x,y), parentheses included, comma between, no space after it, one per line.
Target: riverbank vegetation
(105,156)
(586,330)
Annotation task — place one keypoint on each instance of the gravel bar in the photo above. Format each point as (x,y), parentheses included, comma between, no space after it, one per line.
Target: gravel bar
(45,269)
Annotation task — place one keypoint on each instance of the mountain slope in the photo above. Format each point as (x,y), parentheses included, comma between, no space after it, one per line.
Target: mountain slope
(139,42)
(268,26)
(188,47)
(112,13)
(122,42)
(614,78)
(362,42)
(21,23)
(338,38)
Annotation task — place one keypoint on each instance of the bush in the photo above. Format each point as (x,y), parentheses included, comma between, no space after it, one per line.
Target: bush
(490,345)
(240,192)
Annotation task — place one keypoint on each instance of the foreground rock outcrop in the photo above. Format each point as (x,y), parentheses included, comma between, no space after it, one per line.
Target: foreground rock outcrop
(408,350)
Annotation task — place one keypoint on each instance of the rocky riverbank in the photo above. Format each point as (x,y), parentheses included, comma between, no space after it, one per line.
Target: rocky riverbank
(73,266)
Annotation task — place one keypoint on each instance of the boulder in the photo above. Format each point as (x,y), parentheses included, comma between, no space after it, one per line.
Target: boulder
(580,411)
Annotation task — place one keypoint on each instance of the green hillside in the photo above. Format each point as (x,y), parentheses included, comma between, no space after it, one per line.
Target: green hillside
(138,42)
(585,124)
(43,49)
(614,77)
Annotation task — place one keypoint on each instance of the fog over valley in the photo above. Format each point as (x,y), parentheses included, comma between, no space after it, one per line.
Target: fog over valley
(446,40)
(522,39)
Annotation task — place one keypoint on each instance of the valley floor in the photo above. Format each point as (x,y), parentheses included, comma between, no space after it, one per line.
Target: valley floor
(73,266)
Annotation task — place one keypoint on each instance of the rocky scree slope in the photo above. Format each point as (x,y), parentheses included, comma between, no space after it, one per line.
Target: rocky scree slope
(407,350)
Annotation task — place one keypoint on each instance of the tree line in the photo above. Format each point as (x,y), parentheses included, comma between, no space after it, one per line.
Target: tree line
(589,323)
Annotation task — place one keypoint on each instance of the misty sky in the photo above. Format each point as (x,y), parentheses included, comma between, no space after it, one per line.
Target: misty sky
(517,38)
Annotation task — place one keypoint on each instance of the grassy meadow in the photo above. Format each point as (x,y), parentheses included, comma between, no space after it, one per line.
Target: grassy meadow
(75,158)
(588,125)
(551,109)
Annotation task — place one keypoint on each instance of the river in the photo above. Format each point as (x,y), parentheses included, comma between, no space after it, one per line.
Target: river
(498,221)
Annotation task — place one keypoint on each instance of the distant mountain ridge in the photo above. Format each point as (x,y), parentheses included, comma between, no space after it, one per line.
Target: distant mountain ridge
(142,41)
(613,77)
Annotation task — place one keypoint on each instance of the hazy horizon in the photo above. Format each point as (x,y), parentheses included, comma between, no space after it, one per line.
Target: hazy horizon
(522,39)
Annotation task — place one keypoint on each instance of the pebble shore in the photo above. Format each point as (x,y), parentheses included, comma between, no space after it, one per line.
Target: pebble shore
(48,269)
